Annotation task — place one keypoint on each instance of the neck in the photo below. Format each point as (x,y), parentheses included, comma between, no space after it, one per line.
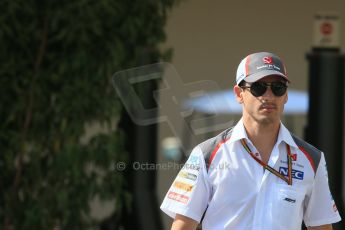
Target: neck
(263,136)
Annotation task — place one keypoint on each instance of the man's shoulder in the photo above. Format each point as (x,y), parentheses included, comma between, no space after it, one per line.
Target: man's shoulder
(311,152)
(210,143)
(211,146)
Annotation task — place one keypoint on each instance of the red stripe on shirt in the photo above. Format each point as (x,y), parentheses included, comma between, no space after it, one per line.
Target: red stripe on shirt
(215,150)
(309,158)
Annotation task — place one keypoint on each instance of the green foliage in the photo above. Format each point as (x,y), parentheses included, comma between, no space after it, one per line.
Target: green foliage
(57,58)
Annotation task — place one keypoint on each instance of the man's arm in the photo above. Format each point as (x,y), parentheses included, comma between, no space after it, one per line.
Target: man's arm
(184,223)
(322,227)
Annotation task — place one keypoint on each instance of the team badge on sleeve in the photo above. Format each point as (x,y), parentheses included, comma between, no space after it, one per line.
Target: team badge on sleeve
(188,175)
(178,197)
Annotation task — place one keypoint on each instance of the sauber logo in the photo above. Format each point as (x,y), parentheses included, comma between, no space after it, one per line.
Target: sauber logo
(294,156)
(335,208)
(267,60)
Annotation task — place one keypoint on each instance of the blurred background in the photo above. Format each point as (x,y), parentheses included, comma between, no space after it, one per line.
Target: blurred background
(102,101)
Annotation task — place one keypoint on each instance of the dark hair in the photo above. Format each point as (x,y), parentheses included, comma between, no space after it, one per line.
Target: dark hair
(241,83)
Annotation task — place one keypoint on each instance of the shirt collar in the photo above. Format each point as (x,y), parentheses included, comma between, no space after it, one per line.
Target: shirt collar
(284,135)
(238,132)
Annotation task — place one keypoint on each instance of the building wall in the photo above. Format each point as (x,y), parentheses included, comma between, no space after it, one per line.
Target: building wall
(209,39)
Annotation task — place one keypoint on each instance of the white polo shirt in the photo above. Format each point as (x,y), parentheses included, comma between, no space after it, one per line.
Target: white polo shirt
(237,193)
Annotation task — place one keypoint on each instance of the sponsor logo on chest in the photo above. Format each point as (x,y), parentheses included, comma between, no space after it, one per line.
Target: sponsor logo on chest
(296,174)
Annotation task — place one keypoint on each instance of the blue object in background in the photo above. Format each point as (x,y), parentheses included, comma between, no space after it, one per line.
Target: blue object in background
(224,102)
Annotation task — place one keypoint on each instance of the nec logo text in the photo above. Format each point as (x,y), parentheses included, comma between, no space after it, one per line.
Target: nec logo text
(295,173)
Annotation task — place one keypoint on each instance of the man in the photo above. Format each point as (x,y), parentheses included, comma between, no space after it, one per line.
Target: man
(255,175)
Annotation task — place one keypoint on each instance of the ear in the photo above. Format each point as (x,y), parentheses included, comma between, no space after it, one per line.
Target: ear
(238,94)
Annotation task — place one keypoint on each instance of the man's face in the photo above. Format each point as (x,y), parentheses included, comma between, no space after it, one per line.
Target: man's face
(264,109)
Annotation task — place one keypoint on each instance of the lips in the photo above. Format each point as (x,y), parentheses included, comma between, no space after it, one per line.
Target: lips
(268,106)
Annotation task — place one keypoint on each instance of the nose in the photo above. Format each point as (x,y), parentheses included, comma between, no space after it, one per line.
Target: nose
(268,94)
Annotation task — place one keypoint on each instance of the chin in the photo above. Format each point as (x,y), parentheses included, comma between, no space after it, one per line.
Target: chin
(267,120)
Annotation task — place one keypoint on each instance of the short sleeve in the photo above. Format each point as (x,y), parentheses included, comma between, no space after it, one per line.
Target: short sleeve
(320,207)
(189,193)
